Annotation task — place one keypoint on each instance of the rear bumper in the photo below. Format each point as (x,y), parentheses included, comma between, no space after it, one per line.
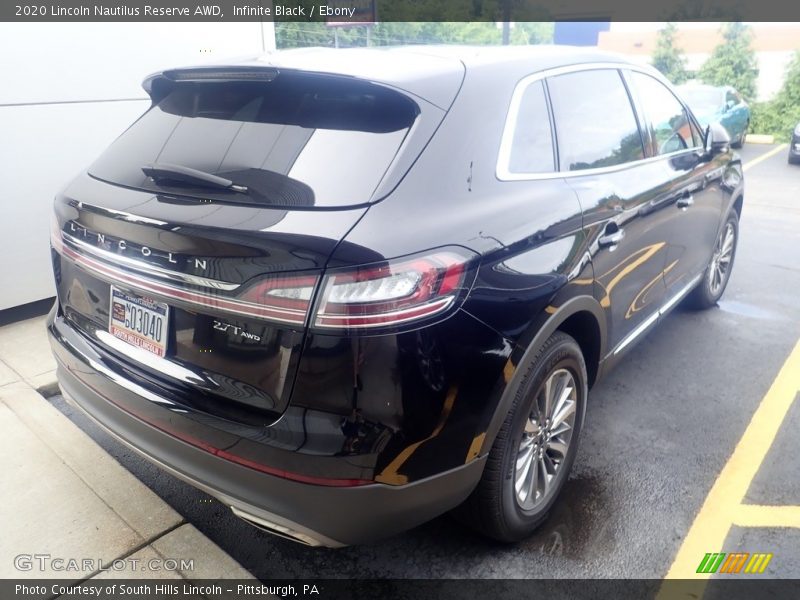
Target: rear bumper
(313,514)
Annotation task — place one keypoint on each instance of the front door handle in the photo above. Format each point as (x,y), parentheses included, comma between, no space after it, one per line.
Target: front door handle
(612,236)
(685,202)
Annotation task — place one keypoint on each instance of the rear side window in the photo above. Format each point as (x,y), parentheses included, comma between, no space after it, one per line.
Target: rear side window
(532,142)
(664,116)
(298,141)
(595,123)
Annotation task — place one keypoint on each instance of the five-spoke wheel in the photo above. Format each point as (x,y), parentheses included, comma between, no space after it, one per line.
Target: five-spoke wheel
(536,445)
(545,438)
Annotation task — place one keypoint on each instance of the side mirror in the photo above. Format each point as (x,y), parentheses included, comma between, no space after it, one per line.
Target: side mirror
(717,140)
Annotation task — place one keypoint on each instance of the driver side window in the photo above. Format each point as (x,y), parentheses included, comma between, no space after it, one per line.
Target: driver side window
(664,117)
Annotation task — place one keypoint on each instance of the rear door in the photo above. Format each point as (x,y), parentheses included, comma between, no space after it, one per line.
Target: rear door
(601,153)
(207,288)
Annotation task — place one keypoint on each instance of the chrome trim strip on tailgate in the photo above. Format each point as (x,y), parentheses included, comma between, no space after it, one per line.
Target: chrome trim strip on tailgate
(138,265)
(113,274)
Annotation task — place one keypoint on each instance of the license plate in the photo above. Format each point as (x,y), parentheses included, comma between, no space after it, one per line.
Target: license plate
(139,321)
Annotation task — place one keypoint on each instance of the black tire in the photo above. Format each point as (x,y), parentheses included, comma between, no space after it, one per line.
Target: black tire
(793,160)
(493,507)
(740,140)
(706,295)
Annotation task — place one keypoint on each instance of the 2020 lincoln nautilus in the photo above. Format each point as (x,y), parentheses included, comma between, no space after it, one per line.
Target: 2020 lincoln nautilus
(345,291)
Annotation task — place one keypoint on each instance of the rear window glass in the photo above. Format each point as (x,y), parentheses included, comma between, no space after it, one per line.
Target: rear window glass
(594,119)
(297,141)
(532,144)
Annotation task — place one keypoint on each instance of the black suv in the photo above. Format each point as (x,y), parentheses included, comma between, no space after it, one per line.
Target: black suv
(345,291)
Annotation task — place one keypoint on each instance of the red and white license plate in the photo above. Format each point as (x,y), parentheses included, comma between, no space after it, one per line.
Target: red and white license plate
(139,321)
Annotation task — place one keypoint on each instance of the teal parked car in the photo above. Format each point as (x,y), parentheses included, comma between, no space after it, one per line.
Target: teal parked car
(724,105)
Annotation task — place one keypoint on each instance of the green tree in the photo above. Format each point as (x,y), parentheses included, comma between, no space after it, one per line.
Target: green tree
(733,62)
(667,57)
(533,33)
(779,116)
(302,34)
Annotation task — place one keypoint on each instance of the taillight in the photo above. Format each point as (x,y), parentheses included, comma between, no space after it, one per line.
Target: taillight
(293,293)
(372,296)
(392,293)
(280,298)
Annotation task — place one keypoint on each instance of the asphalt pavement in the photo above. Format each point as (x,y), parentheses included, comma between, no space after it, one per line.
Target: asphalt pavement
(659,431)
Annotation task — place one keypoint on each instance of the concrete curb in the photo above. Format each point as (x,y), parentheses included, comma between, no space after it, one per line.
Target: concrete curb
(63,495)
(759,138)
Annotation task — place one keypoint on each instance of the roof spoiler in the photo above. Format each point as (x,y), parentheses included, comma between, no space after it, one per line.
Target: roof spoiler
(158,84)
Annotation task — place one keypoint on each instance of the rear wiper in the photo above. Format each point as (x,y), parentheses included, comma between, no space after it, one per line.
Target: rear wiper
(165,172)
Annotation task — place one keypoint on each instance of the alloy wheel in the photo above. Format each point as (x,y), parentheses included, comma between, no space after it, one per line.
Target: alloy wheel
(719,270)
(545,439)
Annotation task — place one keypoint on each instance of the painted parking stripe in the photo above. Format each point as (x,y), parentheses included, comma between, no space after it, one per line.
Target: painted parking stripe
(751,515)
(723,505)
(763,157)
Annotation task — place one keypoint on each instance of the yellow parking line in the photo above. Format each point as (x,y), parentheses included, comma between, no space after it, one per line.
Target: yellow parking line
(718,513)
(750,515)
(763,157)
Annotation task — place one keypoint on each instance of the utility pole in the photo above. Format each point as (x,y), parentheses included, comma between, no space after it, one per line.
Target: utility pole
(506,22)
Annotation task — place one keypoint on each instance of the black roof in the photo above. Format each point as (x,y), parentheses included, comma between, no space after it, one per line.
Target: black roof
(431,72)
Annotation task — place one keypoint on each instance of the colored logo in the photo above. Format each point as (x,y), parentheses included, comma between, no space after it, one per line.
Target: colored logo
(734,562)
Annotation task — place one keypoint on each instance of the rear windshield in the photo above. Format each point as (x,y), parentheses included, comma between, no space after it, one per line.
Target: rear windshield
(298,141)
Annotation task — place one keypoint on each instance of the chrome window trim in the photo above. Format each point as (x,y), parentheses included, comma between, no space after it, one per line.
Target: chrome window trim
(504,154)
(693,121)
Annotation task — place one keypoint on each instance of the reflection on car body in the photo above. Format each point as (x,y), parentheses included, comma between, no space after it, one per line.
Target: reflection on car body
(387,292)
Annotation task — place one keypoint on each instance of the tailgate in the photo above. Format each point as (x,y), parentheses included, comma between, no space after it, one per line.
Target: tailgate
(230,286)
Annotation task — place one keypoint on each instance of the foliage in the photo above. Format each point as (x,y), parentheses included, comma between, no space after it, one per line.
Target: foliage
(779,116)
(302,34)
(733,62)
(668,58)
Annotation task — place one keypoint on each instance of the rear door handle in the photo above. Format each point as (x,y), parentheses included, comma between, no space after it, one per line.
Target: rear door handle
(612,236)
(685,202)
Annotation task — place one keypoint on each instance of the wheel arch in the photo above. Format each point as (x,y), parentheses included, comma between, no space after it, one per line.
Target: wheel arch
(582,318)
(738,204)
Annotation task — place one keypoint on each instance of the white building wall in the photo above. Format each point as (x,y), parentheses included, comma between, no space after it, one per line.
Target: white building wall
(772,72)
(67,91)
